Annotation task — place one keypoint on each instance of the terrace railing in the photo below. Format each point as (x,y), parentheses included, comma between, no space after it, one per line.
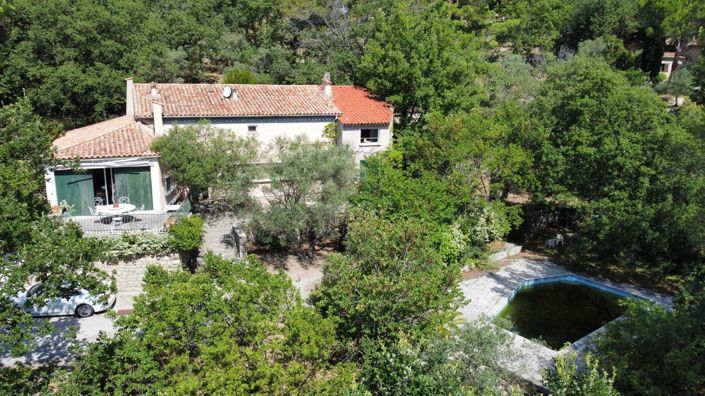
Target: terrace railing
(126,223)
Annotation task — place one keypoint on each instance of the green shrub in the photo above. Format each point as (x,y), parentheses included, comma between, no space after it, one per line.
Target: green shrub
(21,380)
(490,221)
(187,235)
(132,246)
(465,363)
(568,378)
(452,243)
(657,350)
(240,75)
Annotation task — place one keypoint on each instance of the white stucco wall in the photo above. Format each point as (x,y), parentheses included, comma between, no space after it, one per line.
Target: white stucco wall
(350,135)
(268,128)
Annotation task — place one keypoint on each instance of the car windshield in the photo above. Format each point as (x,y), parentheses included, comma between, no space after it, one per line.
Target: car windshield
(34,290)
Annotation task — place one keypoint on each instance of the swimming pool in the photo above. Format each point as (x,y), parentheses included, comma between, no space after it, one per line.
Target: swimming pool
(561,309)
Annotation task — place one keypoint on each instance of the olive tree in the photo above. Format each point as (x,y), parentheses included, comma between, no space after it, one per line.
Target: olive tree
(204,158)
(310,184)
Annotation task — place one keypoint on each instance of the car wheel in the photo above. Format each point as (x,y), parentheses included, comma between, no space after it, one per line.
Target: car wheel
(84,311)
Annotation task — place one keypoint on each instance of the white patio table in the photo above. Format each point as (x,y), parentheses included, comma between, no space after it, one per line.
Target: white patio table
(111,210)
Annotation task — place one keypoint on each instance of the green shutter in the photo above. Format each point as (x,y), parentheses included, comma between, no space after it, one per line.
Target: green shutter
(135,184)
(76,190)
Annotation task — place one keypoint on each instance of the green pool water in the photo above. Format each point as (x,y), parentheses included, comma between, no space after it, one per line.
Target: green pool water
(560,312)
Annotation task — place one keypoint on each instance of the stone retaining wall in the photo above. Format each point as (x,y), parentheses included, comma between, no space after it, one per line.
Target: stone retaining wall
(129,275)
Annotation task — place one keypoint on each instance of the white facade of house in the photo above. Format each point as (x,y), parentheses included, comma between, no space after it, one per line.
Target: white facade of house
(363,147)
(267,129)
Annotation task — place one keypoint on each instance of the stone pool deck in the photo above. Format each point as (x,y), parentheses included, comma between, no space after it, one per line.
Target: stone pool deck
(488,294)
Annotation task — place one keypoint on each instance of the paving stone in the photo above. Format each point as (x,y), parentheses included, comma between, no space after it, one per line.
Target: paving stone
(218,237)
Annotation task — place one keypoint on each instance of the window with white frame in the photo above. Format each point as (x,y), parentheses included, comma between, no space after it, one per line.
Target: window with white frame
(369,136)
(252,128)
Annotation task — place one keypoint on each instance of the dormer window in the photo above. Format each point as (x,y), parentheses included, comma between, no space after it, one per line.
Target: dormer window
(369,136)
(252,128)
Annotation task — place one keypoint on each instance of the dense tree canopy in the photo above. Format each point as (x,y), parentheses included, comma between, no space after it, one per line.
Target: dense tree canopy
(420,61)
(543,109)
(232,328)
(610,145)
(390,281)
(25,148)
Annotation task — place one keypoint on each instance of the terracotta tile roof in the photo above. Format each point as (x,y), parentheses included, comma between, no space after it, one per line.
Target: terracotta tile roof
(359,107)
(206,100)
(119,137)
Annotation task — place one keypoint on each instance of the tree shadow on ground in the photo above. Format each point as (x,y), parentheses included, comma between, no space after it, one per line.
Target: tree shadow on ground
(58,348)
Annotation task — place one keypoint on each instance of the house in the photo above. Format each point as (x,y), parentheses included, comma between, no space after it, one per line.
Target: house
(667,62)
(117,161)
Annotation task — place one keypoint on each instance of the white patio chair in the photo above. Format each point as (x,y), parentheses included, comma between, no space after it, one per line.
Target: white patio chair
(560,240)
(124,200)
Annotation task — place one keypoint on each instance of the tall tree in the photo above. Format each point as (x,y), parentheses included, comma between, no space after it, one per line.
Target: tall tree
(25,149)
(420,60)
(609,145)
(391,281)
(592,19)
(683,23)
(56,255)
(529,26)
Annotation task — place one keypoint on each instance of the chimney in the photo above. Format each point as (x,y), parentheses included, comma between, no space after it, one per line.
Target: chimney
(326,88)
(154,92)
(156,98)
(130,98)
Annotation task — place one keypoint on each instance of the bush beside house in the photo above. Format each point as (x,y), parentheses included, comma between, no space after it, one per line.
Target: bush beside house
(186,237)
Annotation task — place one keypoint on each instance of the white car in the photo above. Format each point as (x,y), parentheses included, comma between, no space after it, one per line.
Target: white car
(80,303)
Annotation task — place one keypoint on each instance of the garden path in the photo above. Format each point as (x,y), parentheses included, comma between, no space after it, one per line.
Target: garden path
(218,237)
